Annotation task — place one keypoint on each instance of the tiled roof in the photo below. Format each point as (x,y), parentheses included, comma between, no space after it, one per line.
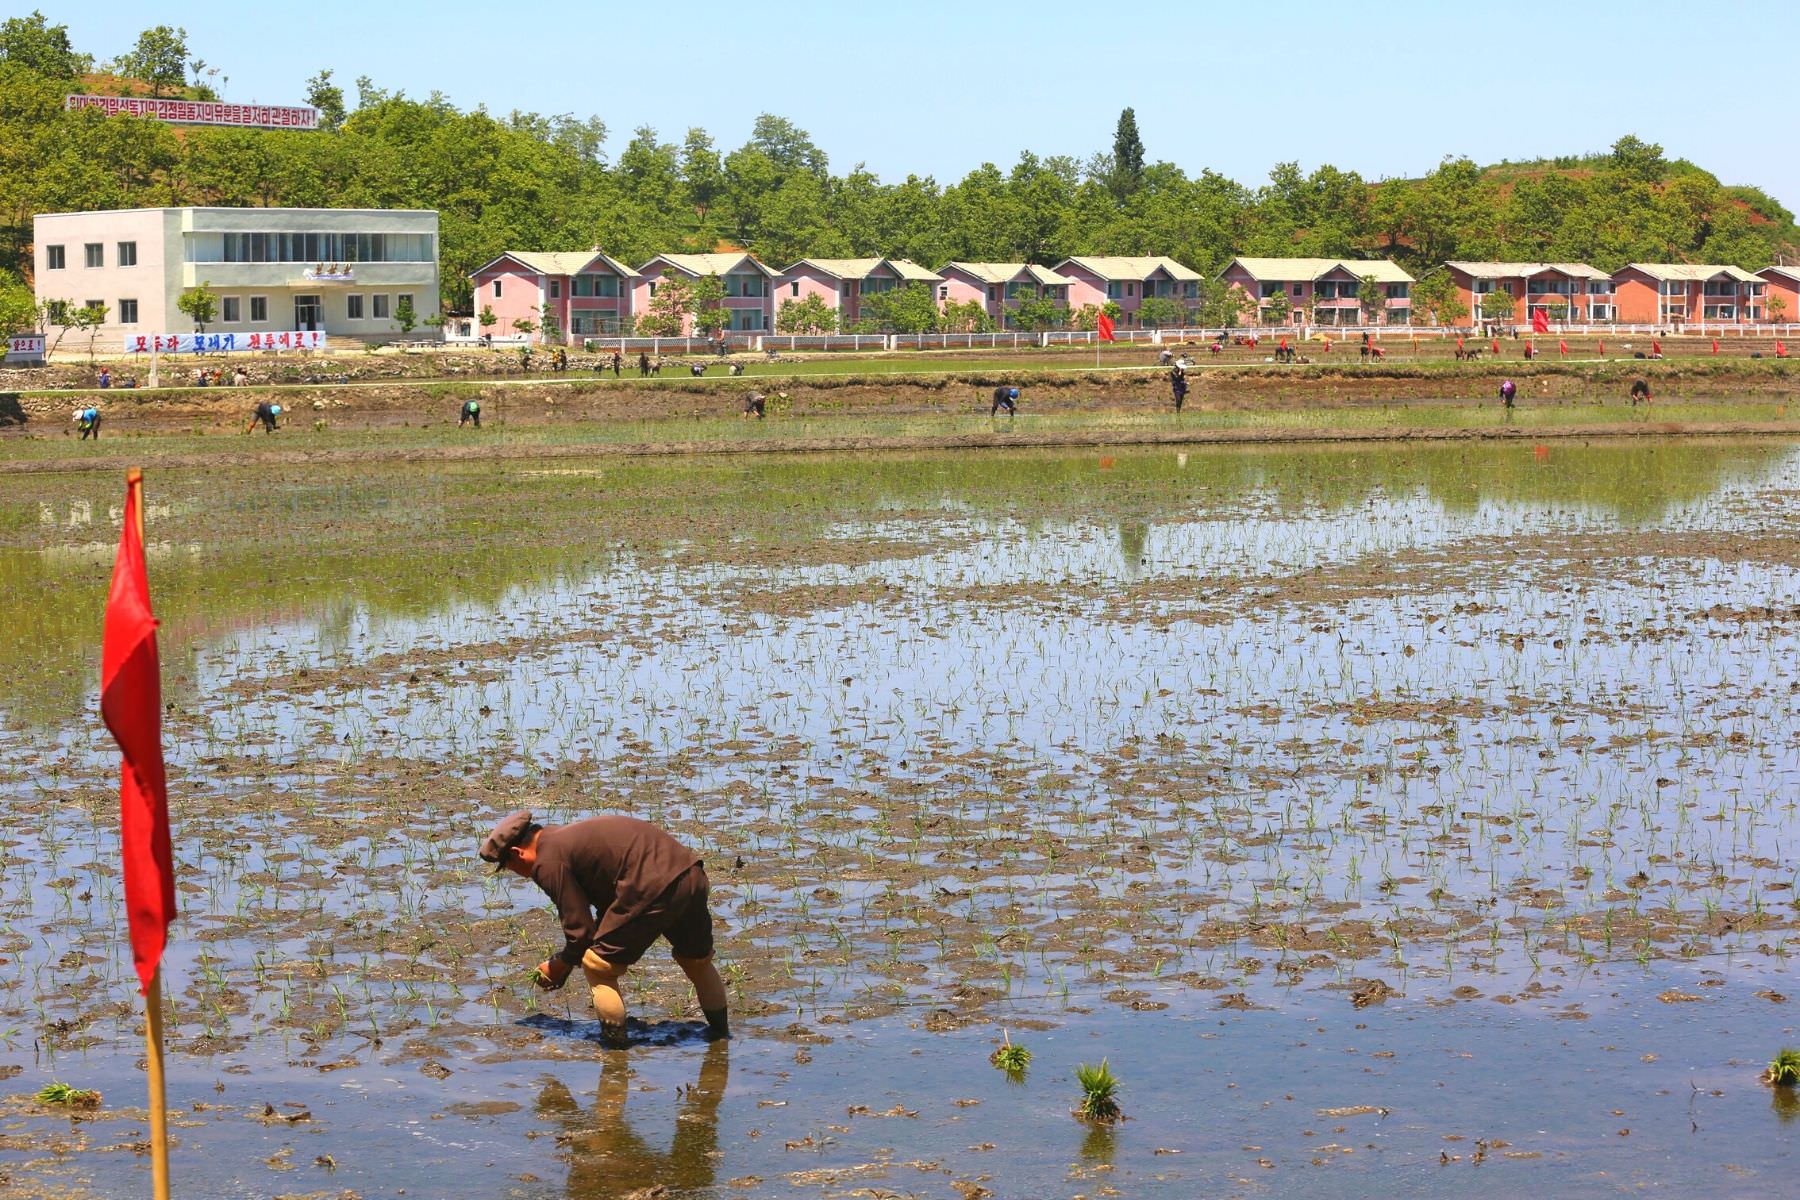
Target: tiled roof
(1519,270)
(710,264)
(1112,267)
(1289,269)
(989,272)
(559,262)
(1694,272)
(862,268)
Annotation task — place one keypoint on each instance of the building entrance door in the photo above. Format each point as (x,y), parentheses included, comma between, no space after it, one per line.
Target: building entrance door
(309,313)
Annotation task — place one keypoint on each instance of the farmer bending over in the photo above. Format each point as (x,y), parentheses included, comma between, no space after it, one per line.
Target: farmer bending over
(87,420)
(754,405)
(1508,390)
(1007,398)
(471,411)
(1640,391)
(264,415)
(642,883)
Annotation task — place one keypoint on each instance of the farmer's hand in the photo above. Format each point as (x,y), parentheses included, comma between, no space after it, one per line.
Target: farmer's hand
(552,973)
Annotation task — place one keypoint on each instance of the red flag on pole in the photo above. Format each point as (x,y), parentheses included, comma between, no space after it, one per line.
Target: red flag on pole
(1540,320)
(1562,347)
(1715,345)
(1602,349)
(1655,348)
(1459,343)
(131,705)
(1105,326)
(1496,345)
(1780,350)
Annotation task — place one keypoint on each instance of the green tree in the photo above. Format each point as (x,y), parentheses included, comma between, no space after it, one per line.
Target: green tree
(1035,312)
(668,309)
(909,309)
(1497,306)
(201,304)
(1224,305)
(1371,295)
(1776,308)
(965,316)
(1127,156)
(159,59)
(36,45)
(487,319)
(809,315)
(1436,294)
(525,325)
(405,315)
(328,98)
(549,323)
(702,172)
(19,312)
(1277,308)
(1161,312)
(706,300)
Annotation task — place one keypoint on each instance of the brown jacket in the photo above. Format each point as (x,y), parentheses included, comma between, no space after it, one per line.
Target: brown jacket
(611,863)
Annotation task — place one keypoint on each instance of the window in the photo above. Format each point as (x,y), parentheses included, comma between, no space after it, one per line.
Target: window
(1399,316)
(354,305)
(596,285)
(1327,290)
(340,248)
(99,305)
(96,254)
(259,310)
(1599,287)
(128,254)
(1721,288)
(794,288)
(231,310)
(1399,291)
(1483,286)
(1296,289)
(128,312)
(1673,287)
(1113,291)
(652,288)
(993,293)
(1720,312)
(53,258)
(380,308)
(497,289)
(943,292)
(1190,290)
(1131,289)
(555,293)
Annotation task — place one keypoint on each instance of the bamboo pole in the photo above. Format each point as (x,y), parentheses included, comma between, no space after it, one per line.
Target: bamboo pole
(159,1110)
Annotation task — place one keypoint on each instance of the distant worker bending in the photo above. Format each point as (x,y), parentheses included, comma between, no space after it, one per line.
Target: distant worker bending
(1005,398)
(266,415)
(471,411)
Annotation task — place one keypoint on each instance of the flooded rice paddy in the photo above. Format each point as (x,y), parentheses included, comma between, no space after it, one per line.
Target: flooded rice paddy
(1393,820)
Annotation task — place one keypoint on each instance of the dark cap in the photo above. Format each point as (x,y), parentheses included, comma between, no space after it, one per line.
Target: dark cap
(508,833)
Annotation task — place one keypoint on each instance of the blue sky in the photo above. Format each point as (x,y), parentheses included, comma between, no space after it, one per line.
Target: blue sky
(936,88)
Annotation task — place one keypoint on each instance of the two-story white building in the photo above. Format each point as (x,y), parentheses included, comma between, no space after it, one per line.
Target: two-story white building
(344,271)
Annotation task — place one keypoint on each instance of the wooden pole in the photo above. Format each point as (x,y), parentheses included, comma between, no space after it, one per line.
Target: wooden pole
(153,1029)
(159,1111)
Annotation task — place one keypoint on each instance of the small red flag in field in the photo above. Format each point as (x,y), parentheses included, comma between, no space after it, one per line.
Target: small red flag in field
(1459,343)
(1105,326)
(1562,347)
(1496,345)
(1780,350)
(1540,320)
(1540,451)
(1656,347)
(131,705)
(1715,345)
(1602,349)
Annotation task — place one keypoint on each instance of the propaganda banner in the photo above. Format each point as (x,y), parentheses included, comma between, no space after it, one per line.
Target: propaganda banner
(220,343)
(201,112)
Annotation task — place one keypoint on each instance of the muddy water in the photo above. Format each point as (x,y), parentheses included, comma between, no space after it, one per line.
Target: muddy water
(1387,819)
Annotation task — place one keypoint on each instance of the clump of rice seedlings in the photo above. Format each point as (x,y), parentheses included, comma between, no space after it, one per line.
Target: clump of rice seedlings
(67,1096)
(1099,1093)
(1010,1058)
(1784,1070)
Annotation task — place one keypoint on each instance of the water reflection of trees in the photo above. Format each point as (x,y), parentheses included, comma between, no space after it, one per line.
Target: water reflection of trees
(607,1157)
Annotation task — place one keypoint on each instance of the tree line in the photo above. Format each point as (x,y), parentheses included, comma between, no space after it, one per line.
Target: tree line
(549,182)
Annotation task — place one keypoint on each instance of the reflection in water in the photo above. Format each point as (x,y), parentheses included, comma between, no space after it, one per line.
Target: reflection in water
(1100,1144)
(608,1158)
(1132,536)
(1785,1102)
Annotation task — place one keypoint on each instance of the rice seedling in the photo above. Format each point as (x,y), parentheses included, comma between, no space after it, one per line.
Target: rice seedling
(1099,1094)
(67,1096)
(1009,1057)
(1784,1070)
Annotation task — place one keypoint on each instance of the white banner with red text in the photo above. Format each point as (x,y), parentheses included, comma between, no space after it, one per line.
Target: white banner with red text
(220,343)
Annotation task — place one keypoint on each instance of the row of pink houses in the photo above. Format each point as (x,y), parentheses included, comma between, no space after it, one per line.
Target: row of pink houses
(589,293)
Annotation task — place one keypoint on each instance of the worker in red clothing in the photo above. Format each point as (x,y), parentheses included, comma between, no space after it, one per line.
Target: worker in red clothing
(642,883)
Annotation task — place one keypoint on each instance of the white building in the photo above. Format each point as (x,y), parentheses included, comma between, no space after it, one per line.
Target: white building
(341,270)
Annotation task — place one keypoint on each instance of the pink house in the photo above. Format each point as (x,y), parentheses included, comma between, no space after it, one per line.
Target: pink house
(1322,291)
(996,285)
(1673,293)
(843,282)
(1783,284)
(749,287)
(581,293)
(1564,291)
(1128,282)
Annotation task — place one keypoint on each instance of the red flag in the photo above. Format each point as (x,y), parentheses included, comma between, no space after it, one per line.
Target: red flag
(1602,349)
(1284,343)
(1656,347)
(1540,320)
(1459,343)
(131,705)
(1715,345)
(1780,350)
(1562,348)
(1496,345)
(1105,326)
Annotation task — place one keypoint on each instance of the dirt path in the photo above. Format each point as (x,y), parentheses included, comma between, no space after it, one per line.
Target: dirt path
(828,445)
